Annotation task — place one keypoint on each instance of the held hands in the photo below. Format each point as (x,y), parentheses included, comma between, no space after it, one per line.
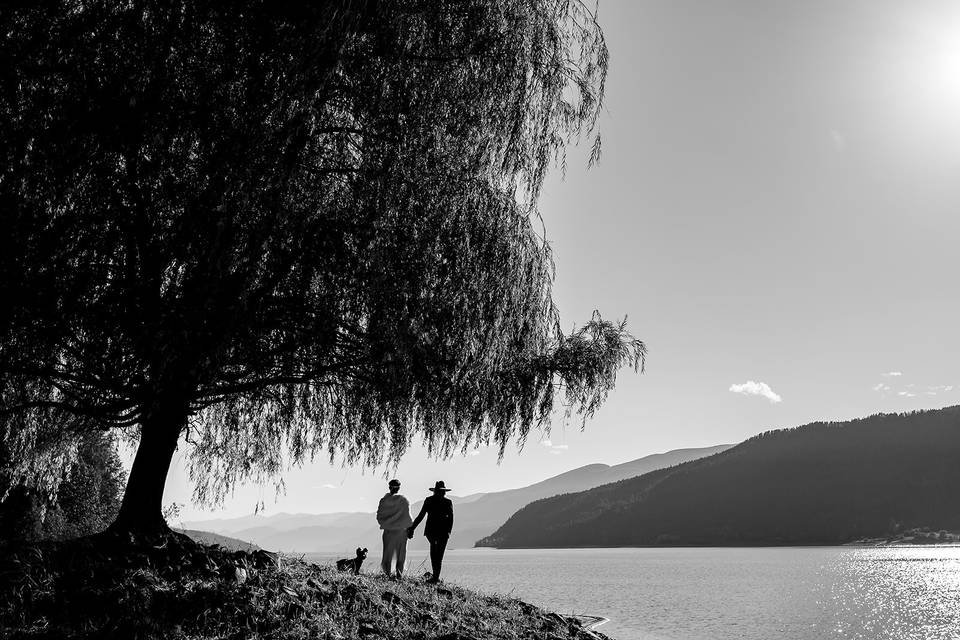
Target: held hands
(409,533)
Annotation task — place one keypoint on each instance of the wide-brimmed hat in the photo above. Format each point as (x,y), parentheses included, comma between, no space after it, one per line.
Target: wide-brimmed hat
(439,486)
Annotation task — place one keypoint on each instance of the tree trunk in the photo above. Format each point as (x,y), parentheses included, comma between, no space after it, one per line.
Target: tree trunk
(142,510)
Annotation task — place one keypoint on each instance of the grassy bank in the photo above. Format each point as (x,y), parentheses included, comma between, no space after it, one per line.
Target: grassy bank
(173,587)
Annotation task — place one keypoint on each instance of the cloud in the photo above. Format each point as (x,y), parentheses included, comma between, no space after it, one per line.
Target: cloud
(751,388)
(555,449)
(911,390)
(475,452)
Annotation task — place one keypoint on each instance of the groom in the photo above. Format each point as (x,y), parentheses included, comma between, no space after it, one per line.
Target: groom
(393,515)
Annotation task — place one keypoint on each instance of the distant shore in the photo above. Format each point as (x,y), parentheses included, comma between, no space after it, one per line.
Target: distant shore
(900,542)
(912,537)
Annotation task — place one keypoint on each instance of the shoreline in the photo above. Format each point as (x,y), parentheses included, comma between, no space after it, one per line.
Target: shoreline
(866,542)
(590,622)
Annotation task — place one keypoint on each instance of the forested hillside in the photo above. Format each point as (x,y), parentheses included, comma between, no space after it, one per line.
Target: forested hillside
(822,483)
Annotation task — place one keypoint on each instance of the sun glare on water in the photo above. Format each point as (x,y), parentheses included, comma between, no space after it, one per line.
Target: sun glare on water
(903,592)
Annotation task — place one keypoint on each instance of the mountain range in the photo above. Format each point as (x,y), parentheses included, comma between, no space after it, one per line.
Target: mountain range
(822,483)
(206,537)
(475,515)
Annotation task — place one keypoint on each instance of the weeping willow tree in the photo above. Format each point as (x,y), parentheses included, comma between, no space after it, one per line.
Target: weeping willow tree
(283,229)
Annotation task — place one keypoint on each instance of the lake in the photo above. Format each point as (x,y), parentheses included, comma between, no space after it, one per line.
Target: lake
(791,593)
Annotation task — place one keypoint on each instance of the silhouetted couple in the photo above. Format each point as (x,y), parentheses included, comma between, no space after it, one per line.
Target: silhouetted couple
(393,514)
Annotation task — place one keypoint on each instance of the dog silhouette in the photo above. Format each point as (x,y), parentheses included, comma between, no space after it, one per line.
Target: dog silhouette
(353,564)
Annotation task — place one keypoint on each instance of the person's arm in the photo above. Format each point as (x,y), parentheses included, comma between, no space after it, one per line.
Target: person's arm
(382,511)
(423,512)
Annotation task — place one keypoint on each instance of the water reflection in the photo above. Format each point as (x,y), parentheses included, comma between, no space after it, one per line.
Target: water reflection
(896,593)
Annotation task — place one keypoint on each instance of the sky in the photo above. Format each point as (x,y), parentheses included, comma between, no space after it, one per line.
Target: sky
(777,211)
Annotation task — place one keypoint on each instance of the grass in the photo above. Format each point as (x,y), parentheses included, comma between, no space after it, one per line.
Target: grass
(173,587)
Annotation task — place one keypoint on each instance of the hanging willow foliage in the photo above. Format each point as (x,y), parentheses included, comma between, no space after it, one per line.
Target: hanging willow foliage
(290,228)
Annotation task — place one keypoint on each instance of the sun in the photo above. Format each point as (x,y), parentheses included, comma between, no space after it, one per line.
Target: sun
(944,70)
(915,76)
(935,67)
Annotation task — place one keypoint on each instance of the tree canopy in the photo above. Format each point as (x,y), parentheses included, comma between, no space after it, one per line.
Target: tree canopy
(287,227)
(85,502)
